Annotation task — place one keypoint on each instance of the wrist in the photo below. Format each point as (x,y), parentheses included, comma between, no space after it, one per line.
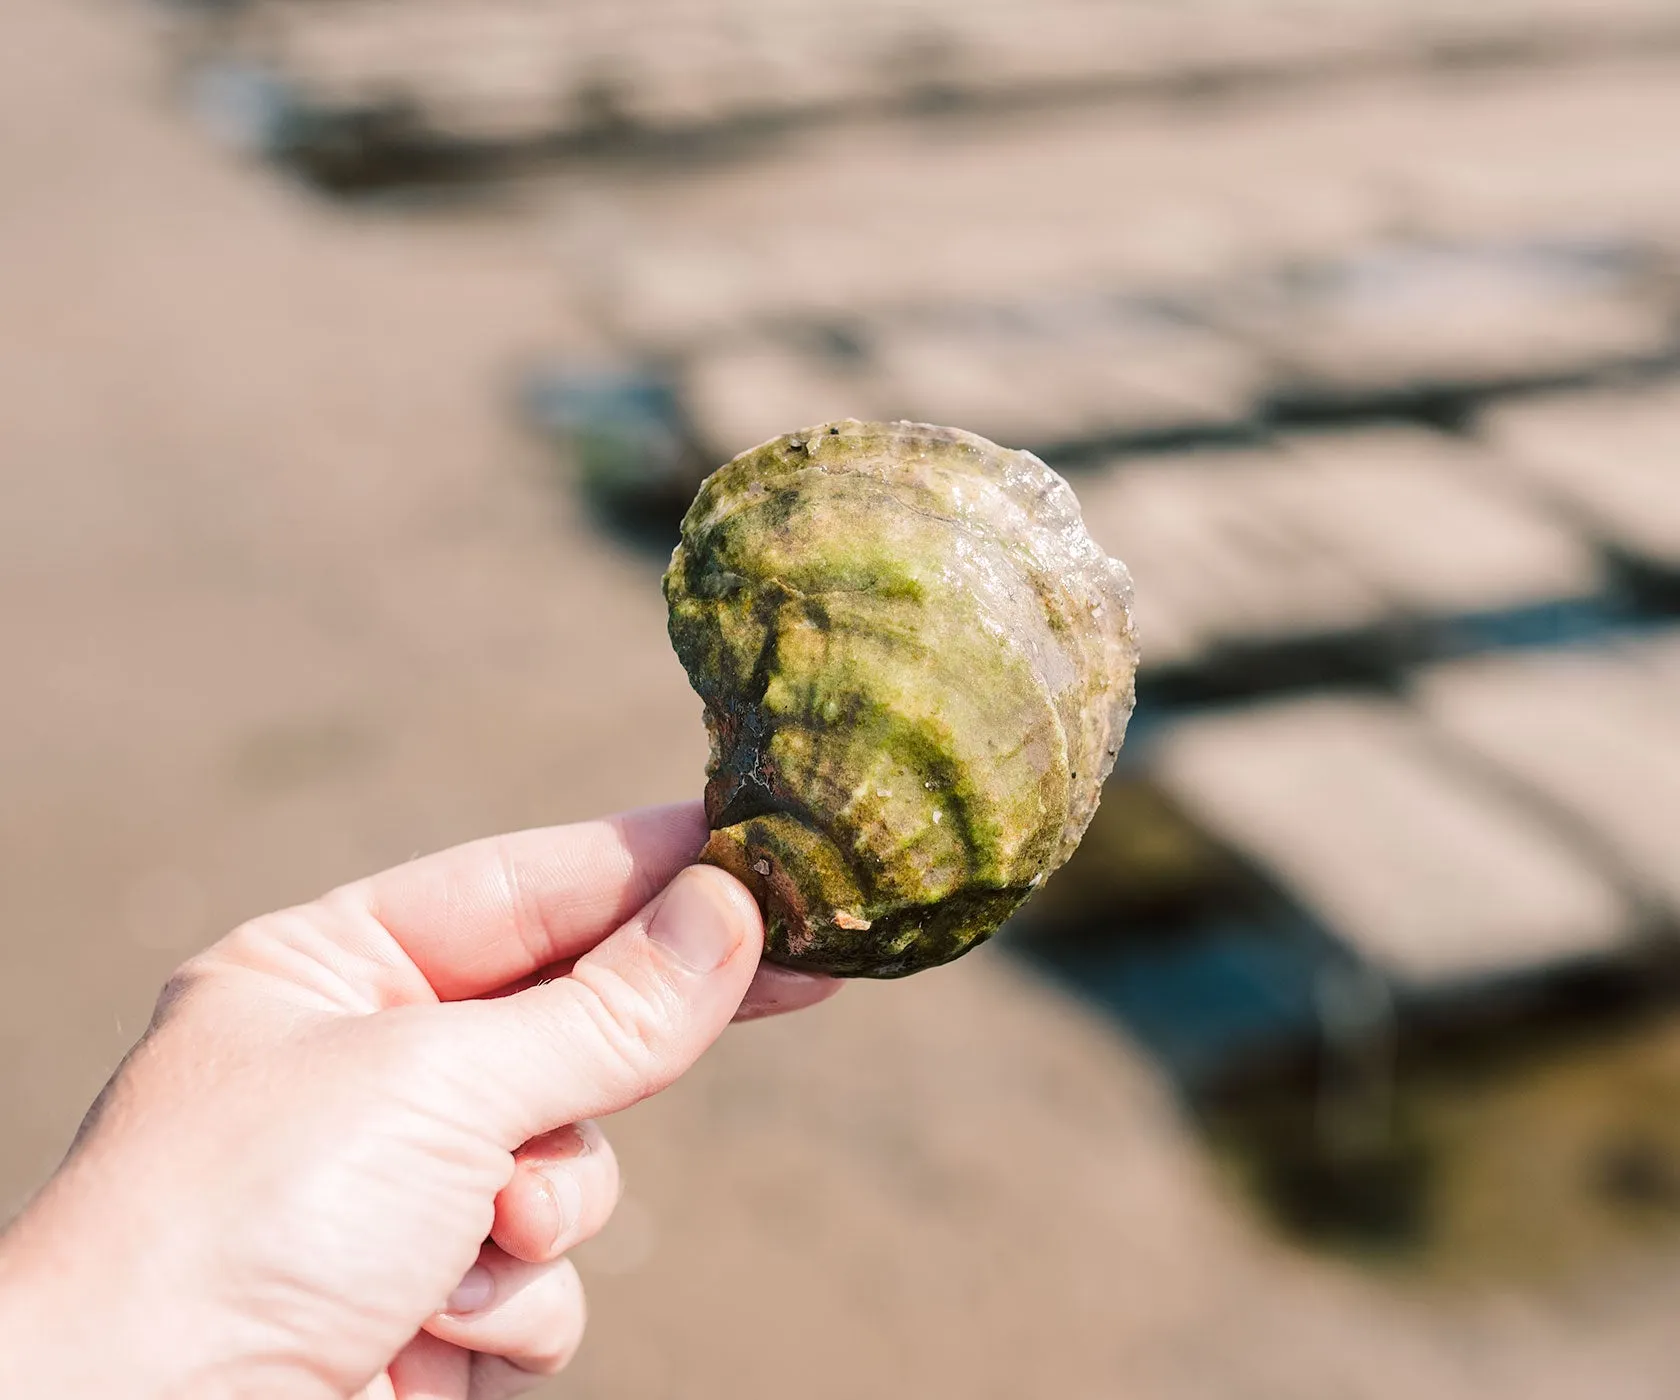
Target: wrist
(85,1315)
(39,1353)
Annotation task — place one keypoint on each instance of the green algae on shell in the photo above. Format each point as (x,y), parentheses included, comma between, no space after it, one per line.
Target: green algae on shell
(917,670)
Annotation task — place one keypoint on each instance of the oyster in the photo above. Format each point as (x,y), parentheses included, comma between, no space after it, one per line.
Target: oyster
(917,670)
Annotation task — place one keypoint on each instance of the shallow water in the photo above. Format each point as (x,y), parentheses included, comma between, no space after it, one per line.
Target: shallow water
(1517,1164)
(1523,1140)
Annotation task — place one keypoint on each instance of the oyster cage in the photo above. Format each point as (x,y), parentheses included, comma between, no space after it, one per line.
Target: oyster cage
(1317,909)
(365,95)
(1420,331)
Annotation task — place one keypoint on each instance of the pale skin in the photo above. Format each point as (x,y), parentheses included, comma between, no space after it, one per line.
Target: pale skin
(352,1151)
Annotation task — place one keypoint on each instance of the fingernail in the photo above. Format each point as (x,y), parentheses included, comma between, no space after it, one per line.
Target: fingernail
(551,1196)
(562,1200)
(696,922)
(473,1291)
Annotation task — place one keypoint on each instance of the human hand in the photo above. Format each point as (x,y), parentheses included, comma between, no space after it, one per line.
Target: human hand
(351,1151)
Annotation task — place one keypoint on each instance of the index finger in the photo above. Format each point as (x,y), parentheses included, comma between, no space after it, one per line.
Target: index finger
(474,918)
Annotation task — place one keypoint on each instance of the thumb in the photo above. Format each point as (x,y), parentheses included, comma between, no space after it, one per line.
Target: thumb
(633,1014)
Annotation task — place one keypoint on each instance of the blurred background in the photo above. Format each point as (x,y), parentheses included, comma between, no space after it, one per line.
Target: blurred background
(357,358)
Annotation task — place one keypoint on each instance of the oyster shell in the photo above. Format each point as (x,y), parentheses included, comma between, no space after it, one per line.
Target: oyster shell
(917,670)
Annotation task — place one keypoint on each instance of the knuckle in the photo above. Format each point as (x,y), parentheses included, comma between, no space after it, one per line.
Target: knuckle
(567,1316)
(610,1190)
(595,1150)
(596,1198)
(176,991)
(631,1029)
(611,1175)
(530,926)
(552,1361)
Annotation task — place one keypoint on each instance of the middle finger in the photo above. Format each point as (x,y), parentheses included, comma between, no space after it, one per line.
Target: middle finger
(564,1186)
